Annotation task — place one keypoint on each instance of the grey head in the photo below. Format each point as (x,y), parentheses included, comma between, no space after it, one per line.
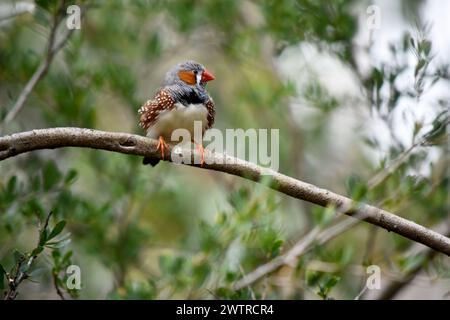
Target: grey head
(187,80)
(188,73)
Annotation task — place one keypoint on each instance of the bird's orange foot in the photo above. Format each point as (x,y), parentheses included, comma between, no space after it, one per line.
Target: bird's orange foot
(201,149)
(162,146)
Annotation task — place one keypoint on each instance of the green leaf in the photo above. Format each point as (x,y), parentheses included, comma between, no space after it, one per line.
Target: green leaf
(224,292)
(57,244)
(438,132)
(12,183)
(46,4)
(410,263)
(419,66)
(331,282)
(323,216)
(57,229)
(36,183)
(371,142)
(51,175)
(37,250)
(276,247)
(67,256)
(413,43)
(238,199)
(56,254)
(377,76)
(312,277)
(171,265)
(326,286)
(231,276)
(200,273)
(426,47)
(356,188)
(71,176)
(43,237)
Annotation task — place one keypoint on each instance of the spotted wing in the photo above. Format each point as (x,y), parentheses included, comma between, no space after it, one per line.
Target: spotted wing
(211,113)
(152,108)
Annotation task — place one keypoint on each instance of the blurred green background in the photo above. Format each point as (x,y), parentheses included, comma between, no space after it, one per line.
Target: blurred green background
(348,101)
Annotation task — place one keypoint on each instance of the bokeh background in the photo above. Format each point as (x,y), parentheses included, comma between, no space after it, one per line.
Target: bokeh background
(352,97)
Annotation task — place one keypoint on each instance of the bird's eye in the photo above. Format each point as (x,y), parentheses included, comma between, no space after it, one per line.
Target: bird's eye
(195,72)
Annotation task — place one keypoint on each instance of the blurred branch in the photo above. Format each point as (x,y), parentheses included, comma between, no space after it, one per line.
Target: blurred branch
(126,143)
(397,162)
(384,174)
(395,286)
(56,285)
(53,47)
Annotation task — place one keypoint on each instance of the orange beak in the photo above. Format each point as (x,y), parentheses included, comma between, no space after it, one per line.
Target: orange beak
(207,76)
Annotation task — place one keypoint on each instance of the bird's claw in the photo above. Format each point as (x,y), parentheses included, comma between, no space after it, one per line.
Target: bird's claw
(162,146)
(201,149)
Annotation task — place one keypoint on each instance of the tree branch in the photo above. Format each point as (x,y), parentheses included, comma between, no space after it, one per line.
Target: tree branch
(126,143)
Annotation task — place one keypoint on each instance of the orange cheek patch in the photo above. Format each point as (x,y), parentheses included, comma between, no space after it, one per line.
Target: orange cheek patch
(187,76)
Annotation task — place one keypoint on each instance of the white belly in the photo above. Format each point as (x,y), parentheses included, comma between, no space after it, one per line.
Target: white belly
(180,117)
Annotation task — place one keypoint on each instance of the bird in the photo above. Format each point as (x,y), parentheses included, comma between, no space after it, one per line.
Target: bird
(180,101)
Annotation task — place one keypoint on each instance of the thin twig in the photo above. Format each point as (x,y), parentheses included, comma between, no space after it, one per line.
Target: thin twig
(20,276)
(57,288)
(364,289)
(384,174)
(53,48)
